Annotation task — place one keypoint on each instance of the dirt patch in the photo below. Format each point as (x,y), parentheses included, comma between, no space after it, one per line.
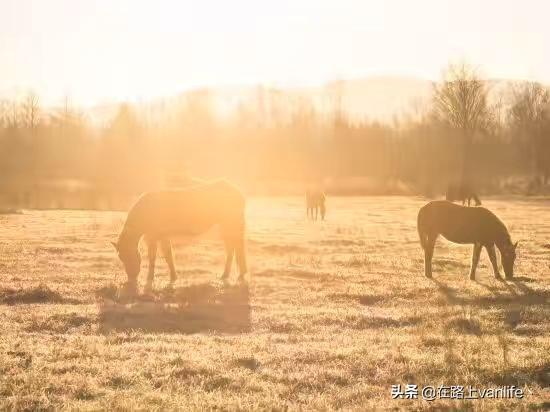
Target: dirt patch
(376,322)
(341,242)
(10,211)
(297,274)
(366,300)
(465,325)
(38,294)
(539,375)
(250,363)
(60,323)
(285,249)
(192,309)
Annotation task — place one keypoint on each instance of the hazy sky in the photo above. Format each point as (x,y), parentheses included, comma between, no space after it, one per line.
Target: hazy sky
(98,50)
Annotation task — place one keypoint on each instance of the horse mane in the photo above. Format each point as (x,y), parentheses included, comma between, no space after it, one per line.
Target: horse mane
(502,228)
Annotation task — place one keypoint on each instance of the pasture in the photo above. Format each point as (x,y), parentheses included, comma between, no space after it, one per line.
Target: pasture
(336,312)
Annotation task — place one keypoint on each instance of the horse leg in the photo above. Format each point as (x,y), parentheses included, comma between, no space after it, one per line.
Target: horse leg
(229,252)
(428,254)
(241,256)
(152,254)
(493,258)
(167,252)
(475,260)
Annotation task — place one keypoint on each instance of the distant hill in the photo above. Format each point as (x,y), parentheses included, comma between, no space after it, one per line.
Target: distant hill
(383,97)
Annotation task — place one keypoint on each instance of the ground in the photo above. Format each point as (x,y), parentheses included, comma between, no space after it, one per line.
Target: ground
(335,313)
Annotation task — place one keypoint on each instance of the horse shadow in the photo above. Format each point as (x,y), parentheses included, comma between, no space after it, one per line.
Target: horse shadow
(518,294)
(191,309)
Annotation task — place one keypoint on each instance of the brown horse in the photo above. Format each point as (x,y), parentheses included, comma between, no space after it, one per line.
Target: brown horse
(466,225)
(158,216)
(463,192)
(315,201)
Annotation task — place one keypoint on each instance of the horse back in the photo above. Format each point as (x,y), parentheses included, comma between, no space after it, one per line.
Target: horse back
(314,198)
(191,210)
(460,224)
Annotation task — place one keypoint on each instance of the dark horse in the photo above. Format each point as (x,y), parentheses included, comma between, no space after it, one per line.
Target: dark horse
(315,201)
(466,225)
(158,216)
(463,192)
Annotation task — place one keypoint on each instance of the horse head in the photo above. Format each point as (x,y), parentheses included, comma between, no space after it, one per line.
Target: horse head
(130,257)
(507,258)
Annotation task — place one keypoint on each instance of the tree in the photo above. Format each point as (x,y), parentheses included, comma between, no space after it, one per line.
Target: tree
(460,101)
(70,121)
(14,115)
(529,117)
(335,94)
(126,126)
(31,111)
(4,107)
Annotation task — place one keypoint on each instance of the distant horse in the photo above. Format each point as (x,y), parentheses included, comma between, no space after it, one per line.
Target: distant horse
(157,216)
(315,201)
(463,192)
(466,225)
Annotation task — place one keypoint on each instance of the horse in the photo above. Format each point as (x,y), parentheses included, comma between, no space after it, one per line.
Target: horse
(466,225)
(463,192)
(315,201)
(191,211)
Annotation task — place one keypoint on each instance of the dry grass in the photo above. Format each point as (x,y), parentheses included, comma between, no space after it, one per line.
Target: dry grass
(336,312)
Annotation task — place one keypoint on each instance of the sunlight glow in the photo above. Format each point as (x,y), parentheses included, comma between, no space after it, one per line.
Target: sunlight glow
(102,50)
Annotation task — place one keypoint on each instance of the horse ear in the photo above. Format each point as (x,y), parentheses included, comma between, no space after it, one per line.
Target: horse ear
(115,245)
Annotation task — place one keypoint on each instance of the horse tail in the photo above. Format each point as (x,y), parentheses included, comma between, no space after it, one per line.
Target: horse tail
(421,227)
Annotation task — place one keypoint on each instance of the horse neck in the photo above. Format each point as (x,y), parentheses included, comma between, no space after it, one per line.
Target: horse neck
(503,240)
(129,237)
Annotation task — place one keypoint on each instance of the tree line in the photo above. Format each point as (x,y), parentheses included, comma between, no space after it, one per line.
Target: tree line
(502,143)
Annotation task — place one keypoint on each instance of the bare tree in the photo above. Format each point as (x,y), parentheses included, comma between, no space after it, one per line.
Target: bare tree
(69,120)
(529,118)
(4,113)
(31,111)
(460,101)
(14,114)
(335,94)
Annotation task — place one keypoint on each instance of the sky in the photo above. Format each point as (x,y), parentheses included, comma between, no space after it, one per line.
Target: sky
(96,51)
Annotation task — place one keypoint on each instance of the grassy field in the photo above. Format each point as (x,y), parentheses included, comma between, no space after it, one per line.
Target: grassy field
(335,313)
